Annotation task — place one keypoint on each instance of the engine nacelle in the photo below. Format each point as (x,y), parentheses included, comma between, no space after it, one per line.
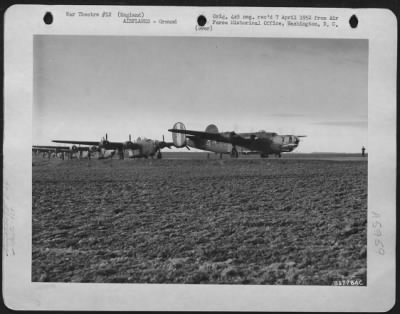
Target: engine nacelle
(128,145)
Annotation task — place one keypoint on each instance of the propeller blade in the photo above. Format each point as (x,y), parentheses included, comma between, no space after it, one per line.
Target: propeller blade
(163,138)
(106,137)
(129,138)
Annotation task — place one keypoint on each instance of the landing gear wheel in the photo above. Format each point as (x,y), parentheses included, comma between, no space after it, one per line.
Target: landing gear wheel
(159,155)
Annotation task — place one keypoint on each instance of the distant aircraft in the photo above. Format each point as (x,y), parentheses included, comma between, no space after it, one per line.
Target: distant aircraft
(63,151)
(146,148)
(50,151)
(265,143)
(141,148)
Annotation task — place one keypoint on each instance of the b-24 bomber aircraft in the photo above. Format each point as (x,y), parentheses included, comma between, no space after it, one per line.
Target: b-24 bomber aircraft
(140,148)
(62,151)
(265,143)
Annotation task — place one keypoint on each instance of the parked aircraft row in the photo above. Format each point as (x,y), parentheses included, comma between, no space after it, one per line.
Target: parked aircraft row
(211,140)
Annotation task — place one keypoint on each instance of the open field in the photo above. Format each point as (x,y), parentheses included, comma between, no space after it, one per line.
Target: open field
(300,156)
(246,221)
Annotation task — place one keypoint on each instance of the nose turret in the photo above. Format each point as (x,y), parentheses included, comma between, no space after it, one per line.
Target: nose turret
(289,143)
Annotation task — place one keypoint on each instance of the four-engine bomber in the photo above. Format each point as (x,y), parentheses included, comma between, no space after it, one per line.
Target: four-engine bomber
(262,142)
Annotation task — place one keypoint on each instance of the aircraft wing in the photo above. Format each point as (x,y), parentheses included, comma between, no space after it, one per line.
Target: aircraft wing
(49,147)
(204,135)
(166,144)
(109,145)
(43,149)
(226,137)
(78,142)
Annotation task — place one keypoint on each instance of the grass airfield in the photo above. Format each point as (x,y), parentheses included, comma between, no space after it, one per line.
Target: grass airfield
(298,220)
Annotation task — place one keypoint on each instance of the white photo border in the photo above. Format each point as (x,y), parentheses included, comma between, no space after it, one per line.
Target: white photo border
(22,22)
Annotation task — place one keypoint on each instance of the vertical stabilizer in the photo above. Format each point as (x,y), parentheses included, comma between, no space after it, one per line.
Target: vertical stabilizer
(179,139)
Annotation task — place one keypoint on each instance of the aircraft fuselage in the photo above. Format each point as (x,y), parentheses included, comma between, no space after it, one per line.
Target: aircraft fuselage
(213,146)
(263,142)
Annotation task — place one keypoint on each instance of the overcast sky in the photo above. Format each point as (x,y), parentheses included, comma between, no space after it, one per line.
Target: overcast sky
(85,86)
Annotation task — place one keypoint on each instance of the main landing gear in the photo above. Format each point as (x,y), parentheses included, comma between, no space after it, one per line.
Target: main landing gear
(234,152)
(159,155)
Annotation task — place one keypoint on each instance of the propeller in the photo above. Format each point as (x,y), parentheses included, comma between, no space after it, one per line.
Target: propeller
(298,138)
(128,144)
(163,144)
(234,137)
(253,137)
(104,140)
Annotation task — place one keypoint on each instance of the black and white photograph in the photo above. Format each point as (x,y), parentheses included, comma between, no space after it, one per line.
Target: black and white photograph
(263,182)
(203,159)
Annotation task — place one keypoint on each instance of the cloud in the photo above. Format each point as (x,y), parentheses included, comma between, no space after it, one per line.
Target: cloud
(355,124)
